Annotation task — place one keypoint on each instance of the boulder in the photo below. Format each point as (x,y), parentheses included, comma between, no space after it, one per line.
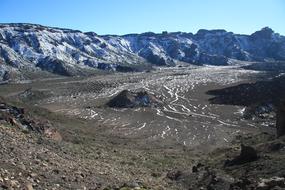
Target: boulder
(247,154)
(53,134)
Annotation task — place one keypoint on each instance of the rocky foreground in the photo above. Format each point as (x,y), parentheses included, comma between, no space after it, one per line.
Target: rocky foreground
(70,159)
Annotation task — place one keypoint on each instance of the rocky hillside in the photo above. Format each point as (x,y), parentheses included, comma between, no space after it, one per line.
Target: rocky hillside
(29,47)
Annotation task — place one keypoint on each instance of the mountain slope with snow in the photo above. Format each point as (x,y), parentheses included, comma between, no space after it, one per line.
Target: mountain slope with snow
(70,52)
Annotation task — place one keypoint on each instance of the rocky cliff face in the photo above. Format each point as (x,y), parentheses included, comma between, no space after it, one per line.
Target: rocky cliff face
(66,52)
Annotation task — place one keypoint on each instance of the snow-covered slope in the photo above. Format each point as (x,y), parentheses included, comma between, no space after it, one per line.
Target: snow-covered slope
(66,52)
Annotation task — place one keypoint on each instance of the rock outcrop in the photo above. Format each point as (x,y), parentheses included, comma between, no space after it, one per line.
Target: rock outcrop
(129,99)
(19,118)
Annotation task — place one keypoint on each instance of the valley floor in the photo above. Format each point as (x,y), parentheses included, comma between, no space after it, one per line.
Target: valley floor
(129,148)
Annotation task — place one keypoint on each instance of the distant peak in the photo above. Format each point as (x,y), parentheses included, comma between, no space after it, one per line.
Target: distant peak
(203,32)
(268,29)
(265,33)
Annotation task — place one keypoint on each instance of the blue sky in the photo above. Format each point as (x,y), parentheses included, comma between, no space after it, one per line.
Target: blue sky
(136,16)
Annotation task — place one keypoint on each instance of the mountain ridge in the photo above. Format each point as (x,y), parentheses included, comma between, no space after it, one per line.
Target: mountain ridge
(132,33)
(72,52)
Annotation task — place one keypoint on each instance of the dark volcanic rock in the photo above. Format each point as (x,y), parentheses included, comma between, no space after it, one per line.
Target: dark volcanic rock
(247,154)
(261,98)
(20,119)
(128,99)
(280,123)
(251,93)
